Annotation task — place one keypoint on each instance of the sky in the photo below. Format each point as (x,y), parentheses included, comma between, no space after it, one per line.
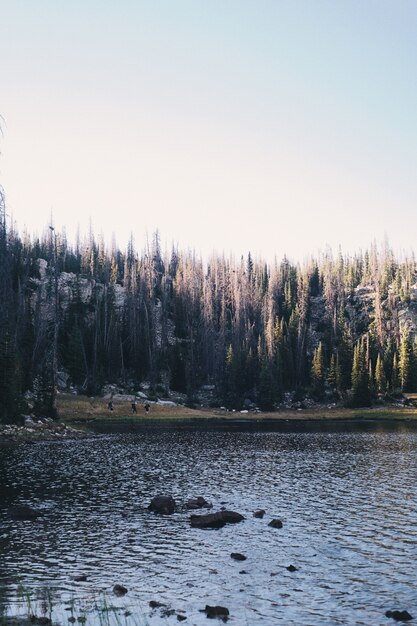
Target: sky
(275,126)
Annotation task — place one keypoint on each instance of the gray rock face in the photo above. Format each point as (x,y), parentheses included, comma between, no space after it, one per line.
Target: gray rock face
(215,520)
(164,505)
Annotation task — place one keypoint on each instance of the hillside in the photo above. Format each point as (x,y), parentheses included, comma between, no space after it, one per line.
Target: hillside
(223,332)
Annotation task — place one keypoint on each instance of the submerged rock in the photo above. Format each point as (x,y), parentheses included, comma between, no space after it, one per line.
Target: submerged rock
(164,505)
(217,611)
(119,590)
(215,520)
(23,513)
(154,604)
(40,621)
(198,503)
(275,523)
(399,616)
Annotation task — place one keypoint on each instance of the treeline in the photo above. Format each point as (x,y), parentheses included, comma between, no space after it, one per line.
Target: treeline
(330,328)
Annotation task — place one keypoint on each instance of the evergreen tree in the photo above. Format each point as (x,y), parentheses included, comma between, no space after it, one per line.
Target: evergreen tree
(317,372)
(267,387)
(380,379)
(361,395)
(395,377)
(333,377)
(230,392)
(406,361)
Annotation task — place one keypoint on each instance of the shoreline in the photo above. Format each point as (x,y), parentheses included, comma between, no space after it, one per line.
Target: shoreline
(79,414)
(82,410)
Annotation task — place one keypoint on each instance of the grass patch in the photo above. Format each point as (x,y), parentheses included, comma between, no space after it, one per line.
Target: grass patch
(83,409)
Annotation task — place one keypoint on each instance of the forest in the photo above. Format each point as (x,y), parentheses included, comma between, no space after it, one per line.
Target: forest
(335,328)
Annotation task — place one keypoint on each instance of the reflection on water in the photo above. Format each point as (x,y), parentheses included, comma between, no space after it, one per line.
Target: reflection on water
(346,496)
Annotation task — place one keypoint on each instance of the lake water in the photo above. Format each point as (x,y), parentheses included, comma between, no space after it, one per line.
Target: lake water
(346,495)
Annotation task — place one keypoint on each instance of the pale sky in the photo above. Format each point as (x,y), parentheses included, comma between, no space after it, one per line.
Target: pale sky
(276,126)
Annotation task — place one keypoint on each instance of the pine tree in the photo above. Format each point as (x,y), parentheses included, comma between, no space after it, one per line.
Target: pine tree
(333,377)
(267,393)
(344,352)
(406,361)
(380,379)
(361,395)
(317,372)
(10,405)
(395,377)
(230,393)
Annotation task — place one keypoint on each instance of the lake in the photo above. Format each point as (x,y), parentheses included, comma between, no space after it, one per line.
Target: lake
(345,492)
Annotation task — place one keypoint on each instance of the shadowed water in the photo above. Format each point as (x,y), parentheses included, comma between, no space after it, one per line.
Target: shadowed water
(346,496)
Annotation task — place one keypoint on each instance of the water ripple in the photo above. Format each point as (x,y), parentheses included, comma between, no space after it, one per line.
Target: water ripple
(347,499)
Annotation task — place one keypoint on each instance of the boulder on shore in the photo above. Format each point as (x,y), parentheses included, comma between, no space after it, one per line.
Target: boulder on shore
(164,505)
(215,520)
(23,513)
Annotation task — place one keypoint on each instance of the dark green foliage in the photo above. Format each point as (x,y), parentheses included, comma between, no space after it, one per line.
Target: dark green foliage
(361,391)
(253,330)
(380,378)
(44,391)
(177,367)
(267,387)
(10,390)
(407,362)
(317,373)
(334,374)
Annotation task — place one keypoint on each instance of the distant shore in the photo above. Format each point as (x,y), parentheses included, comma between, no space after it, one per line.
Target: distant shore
(77,412)
(79,409)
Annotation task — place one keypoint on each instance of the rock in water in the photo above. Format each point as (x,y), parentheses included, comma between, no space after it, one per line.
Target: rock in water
(23,513)
(154,604)
(259,514)
(198,503)
(238,557)
(119,590)
(217,611)
(164,505)
(215,520)
(275,523)
(399,616)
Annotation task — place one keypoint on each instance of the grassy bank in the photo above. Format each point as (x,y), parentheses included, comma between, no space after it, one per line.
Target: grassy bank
(81,408)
